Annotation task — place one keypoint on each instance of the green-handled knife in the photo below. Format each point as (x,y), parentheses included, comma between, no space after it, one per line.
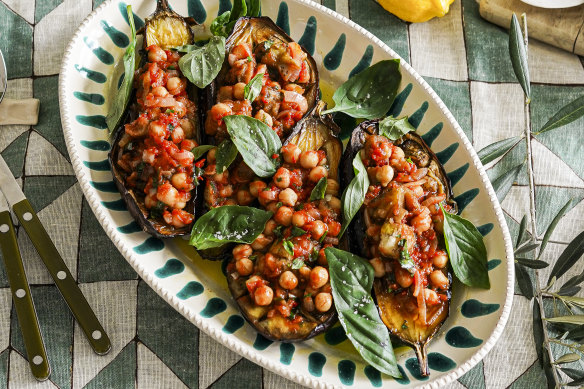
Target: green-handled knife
(43,244)
(27,317)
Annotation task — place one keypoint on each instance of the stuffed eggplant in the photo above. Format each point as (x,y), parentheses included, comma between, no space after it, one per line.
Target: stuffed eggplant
(399,229)
(281,281)
(151,159)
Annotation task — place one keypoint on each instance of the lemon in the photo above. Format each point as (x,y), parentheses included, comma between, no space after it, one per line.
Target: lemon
(416,11)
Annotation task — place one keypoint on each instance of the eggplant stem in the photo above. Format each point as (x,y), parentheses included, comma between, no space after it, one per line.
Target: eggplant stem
(162,5)
(422,356)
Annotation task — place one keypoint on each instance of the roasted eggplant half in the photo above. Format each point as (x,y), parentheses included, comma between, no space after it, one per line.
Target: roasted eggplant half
(151,160)
(281,282)
(399,229)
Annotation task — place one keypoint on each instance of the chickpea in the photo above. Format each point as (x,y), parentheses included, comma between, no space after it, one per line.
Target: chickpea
(284,216)
(159,91)
(299,219)
(318,229)
(244,266)
(179,181)
(177,135)
(308,303)
(282,178)
(384,175)
(378,267)
(304,272)
(255,187)
(288,197)
(318,277)
(173,84)
(333,202)
(288,280)
(403,277)
(221,178)
(168,195)
(431,297)
(267,195)
(239,90)
(397,153)
(226,191)
(244,197)
(440,260)
(309,159)
(264,117)
(188,127)
(317,173)
(263,295)
(422,222)
(225,93)
(332,187)
(261,242)
(156,54)
(323,302)
(211,155)
(157,130)
(313,213)
(270,227)
(291,153)
(219,110)
(272,207)
(439,280)
(241,251)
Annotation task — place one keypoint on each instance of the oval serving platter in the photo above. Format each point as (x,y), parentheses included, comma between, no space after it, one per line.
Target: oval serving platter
(197,288)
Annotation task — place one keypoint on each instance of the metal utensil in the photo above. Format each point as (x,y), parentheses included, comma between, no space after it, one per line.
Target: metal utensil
(57,268)
(3,77)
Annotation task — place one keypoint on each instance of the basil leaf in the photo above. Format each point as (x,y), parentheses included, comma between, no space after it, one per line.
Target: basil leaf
(518,53)
(218,25)
(368,94)
(466,250)
(229,223)
(297,264)
(256,142)
(288,246)
(393,128)
(351,279)
(201,65)
(254,87)
(122,96)
(319,190)
(297,231)
(354,193)
(200,150)
(405,259)
(225,155)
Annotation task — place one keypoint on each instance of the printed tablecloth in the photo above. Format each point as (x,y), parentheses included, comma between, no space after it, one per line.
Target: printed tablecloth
(464,58)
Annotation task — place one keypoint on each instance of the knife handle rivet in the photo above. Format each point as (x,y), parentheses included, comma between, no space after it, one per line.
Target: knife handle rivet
(27,216)
(96,335)
(20,293)
(4,228)
(61,275)
(37,360)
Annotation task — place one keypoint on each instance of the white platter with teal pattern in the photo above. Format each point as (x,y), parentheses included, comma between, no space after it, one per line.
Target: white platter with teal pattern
(197,289)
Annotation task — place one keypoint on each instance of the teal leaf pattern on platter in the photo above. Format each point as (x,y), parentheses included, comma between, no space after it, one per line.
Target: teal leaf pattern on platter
(334,57)
(191,289)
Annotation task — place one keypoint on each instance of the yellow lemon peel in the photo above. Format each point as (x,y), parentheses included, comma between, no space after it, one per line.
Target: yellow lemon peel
(416,11)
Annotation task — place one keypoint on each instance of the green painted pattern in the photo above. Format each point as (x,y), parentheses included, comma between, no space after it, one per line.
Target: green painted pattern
(456,175)
(42,191)
(115,205)
(485,228)
(129,228)
(413,367)
(214,307)
(97,145)
(364,62)
(460,337)
(93,75)
(112,376)
(474,308)
(283,20)
(93,98)
(172,267)
(99,52)
(234,323)
(150,245)
(16,44)
(400,100)
(373,375)
(14,154)
(119,38)
(102,166)
(261,343)
(196,10)
(346,370)
(493,263)
(49,125)
(309,35)
(456,96)
(440,362)
(286,353)
(316,362)
(334,57)
(97,121)
(464,199)
(191,289)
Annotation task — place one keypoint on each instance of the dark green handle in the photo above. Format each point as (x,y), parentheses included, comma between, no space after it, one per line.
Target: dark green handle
(27,317)
(73,296)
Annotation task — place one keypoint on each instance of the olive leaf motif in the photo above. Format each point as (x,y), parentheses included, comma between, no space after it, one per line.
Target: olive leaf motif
(518,53)
(502,184)
(548,233)
(567,114)
(569,256)
(123,95)
(497,149)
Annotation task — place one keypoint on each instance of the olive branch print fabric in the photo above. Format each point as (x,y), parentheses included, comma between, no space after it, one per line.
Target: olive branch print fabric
(463,57)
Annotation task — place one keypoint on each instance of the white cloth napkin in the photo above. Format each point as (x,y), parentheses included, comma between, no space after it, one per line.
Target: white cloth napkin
(21,111)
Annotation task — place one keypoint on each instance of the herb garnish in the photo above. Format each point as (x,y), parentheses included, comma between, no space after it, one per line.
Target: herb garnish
(405,259)
(288,246)
(297,264)
(254,87)
(319,190)
(201,65)
(354,193)
(393,128)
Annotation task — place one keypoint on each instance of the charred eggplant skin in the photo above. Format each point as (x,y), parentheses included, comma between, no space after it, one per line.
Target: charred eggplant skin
(277,327)
(419,153)
(154,24)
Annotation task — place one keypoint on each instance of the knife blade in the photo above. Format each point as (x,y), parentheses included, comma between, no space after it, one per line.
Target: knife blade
(57,268)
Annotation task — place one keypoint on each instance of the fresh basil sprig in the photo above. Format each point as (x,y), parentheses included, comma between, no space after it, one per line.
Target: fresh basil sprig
(466,250)
(405,259)
(223,24)
(258,144)
(254,87)
(201,65)
(354,193)
(122,96)
(200,150)
(351,280)
(393,128)
(229,223)
(225,155)
(368,94)
(319,190)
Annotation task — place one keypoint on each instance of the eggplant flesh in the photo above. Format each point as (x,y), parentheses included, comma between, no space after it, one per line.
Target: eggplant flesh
(165,28)
(398,308)
(314,132)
